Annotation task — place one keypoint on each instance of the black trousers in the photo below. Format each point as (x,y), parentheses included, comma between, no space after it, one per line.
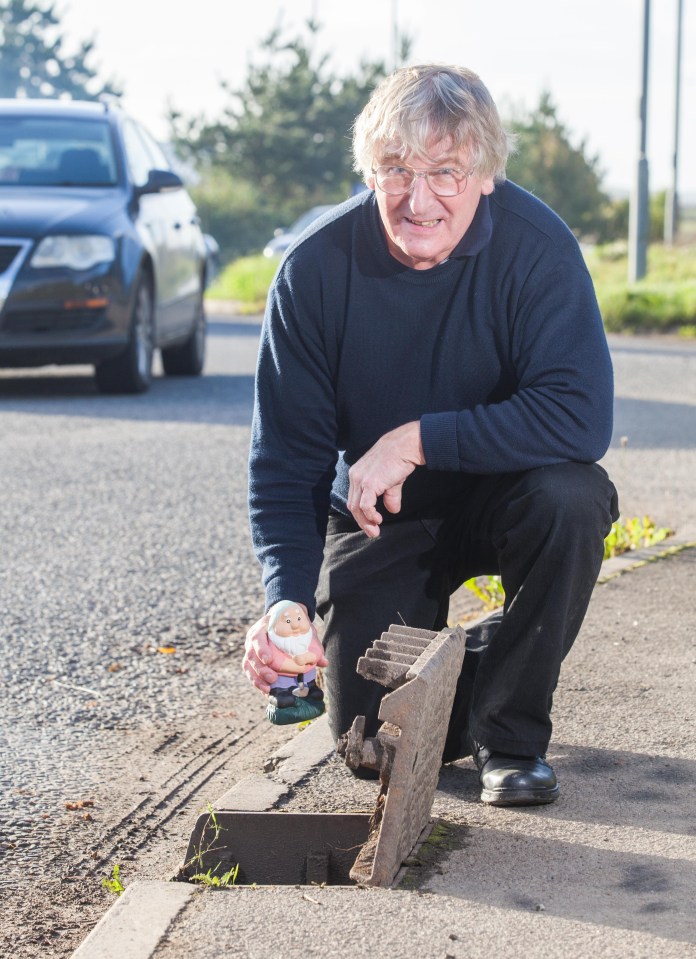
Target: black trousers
(543,531)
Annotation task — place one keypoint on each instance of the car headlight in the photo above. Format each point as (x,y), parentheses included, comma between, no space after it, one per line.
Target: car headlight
(74,252)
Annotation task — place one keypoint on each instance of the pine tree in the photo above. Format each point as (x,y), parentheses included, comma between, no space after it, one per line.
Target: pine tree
(33,60)
(561,174)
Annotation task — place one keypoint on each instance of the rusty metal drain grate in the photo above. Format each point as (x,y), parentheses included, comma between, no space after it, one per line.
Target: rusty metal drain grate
(421,667)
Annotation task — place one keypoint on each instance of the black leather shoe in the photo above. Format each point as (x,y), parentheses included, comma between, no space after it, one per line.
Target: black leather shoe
(508,780)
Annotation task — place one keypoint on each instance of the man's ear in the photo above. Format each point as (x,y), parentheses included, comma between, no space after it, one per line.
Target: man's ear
(487,186)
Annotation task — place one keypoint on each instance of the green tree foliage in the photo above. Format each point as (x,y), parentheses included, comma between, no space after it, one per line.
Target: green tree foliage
(559,173)
(233,211)
(33,60)
(286,133)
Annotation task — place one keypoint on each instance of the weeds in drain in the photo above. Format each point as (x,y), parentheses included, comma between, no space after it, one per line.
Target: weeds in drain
(209,878)
(114,884)
(625,535)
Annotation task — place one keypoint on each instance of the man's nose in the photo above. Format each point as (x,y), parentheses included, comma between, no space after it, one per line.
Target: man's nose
(420,193)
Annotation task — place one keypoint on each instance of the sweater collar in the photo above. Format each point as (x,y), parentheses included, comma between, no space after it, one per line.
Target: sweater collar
(479,233)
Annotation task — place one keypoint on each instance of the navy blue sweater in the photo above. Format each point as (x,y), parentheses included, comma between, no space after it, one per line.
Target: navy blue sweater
(499,352)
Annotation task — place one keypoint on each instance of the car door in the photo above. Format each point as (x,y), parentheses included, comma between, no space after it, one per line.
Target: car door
(156,218)
(187,262)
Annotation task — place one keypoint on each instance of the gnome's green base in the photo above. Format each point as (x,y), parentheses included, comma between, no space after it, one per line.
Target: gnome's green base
(304,710)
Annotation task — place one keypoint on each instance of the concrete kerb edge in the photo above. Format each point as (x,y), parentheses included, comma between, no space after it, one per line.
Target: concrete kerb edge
(635,559)
(136,924)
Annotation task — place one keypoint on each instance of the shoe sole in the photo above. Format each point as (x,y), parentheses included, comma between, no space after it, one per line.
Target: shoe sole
(519,797)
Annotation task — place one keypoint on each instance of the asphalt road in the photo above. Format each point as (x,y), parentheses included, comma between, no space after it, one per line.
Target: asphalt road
(127,585)
(123,531)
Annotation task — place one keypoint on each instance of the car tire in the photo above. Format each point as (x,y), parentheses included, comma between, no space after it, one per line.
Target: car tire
(188,358)
(131,371)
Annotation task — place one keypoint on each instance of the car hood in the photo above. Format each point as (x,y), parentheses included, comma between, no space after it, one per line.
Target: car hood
(32,213)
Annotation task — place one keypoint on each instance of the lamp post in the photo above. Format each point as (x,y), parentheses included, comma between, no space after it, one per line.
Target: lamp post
(395,35)
(639,218)
(672,196)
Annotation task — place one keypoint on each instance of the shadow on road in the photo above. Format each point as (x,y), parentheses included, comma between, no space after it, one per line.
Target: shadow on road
(215,398)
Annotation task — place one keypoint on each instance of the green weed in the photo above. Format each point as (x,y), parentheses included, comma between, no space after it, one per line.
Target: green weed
(488,589)
(636,533)
(213,881)
(625,535)
(114,884)
(211,877)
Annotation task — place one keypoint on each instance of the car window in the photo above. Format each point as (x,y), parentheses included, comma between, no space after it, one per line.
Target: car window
(139,160)
(309,217)
(154,150)
(56,151)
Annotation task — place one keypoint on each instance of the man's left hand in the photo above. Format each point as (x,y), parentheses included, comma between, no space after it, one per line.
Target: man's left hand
(382,471)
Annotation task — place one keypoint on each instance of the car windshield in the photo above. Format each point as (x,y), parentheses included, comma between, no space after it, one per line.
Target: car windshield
(309,217)
(56,151)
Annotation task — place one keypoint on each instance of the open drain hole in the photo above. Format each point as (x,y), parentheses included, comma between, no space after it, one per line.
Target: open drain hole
(276,848)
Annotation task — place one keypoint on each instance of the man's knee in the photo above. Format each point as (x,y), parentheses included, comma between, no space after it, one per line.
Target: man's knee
(570,496)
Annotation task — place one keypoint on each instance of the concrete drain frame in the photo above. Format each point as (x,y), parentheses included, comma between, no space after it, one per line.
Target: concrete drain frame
(421,668)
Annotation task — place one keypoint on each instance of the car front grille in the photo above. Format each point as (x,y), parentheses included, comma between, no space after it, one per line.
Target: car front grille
(51,321)
(7,254)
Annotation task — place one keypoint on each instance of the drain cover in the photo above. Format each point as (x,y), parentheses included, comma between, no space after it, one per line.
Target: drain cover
(421,667)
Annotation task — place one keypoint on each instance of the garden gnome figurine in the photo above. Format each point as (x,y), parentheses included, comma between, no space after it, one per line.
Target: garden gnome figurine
(295,696)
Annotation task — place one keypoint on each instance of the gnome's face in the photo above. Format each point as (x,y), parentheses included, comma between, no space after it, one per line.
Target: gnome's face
(291,631)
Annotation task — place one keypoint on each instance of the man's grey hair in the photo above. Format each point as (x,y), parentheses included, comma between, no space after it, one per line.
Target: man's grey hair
(419,106)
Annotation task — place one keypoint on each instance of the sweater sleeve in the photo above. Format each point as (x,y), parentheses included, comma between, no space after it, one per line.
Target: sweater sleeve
(562,407)
(293,446)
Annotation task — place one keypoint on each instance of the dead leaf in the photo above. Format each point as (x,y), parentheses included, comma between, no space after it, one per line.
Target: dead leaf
(114,667)
(79,804)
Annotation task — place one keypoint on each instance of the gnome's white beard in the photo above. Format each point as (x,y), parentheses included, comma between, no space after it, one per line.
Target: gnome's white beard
(292,645)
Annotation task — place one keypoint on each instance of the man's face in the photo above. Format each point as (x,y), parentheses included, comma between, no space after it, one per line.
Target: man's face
(421,228)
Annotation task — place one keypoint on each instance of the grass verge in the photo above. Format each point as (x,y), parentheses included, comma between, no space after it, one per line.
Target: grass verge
(663,302)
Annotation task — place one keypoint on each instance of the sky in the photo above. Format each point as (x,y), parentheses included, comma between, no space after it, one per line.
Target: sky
(587,54)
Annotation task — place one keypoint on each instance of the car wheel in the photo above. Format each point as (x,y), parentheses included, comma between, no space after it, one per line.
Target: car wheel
(131,371)
(187,358)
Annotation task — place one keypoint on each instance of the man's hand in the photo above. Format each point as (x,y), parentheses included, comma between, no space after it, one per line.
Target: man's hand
(260,656)
(382,472)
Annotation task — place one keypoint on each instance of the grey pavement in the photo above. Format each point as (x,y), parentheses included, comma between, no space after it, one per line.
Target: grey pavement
(609,870)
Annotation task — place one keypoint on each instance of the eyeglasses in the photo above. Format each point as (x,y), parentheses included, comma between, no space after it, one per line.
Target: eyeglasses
(396,180)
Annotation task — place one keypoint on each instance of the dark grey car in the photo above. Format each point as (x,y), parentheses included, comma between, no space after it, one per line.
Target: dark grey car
(102,258)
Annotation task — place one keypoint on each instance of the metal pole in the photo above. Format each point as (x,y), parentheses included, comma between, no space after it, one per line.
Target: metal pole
(639,214)
(672,196)
(395,34)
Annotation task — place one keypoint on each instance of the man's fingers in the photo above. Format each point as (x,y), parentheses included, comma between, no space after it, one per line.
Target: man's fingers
(257,656)
(257,681)
(392,499)
(368,523)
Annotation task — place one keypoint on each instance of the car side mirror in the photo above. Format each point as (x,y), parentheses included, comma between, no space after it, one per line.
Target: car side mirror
(160,181)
